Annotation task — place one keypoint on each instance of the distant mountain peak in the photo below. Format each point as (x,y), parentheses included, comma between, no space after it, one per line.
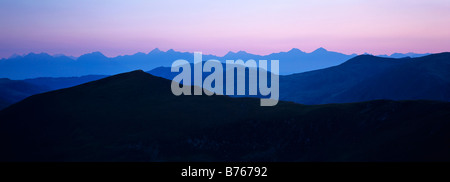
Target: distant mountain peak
(230,53)
(170,51)
(139,54)
(156,50)
(242,52)
(320,50)
(33,55)
(96,53)
(93,55)
(295,50)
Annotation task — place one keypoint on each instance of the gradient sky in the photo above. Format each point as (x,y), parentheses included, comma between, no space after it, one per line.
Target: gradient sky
(75,27)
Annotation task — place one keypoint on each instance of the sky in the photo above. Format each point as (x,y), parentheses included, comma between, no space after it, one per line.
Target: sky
(76,27)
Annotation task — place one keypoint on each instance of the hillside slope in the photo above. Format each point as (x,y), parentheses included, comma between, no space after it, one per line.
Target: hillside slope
(135,117)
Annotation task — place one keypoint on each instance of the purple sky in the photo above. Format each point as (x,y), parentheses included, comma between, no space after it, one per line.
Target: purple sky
(75,27)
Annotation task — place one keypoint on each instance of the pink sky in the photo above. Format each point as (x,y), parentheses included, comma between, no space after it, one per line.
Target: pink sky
(75,27)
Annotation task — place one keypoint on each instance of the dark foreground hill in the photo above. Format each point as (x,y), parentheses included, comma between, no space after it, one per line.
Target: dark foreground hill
(135,117)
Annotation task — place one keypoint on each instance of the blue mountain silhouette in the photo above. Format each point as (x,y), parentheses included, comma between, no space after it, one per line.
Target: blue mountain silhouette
(362,78)
(44,65)
(365,78)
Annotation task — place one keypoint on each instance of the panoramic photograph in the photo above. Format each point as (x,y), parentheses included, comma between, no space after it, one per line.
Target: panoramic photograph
(210,89)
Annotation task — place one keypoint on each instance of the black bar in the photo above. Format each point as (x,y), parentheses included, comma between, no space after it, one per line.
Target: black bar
(171,170)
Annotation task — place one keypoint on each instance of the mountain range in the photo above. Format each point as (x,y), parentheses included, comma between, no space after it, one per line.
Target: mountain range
(135,117)
(365,78)
(44,65)
(361,78)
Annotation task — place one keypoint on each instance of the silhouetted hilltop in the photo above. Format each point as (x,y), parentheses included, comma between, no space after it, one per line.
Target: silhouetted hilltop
(12,91)
(135,117)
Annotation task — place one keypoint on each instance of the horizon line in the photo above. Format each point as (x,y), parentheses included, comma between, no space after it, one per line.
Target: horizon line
(207,54)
